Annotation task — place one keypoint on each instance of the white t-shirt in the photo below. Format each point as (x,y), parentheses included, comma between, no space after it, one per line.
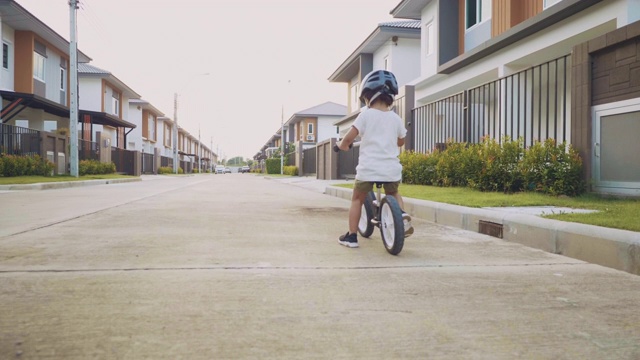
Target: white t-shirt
(378,159)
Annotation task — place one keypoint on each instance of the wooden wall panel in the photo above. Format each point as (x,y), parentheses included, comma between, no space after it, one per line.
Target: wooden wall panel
(23,79)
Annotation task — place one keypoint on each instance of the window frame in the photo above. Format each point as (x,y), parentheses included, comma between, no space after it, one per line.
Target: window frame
(39,66)
(6,56)
(429,38)
(479,11)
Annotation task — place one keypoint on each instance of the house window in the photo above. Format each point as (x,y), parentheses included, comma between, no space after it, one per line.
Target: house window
(38,66)
(152,127)
(476,12)
(63,78)
(50,125)
(429,39)
(115,104)
(5,56)
(548,3)
(310,128)
(355,102)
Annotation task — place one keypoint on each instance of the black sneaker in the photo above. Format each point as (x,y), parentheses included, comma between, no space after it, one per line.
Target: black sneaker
(349,240)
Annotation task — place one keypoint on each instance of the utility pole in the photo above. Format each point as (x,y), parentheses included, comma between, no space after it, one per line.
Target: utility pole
(175,133)
(73,109)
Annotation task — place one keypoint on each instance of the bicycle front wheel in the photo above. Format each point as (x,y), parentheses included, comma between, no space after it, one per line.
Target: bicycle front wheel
(391,225)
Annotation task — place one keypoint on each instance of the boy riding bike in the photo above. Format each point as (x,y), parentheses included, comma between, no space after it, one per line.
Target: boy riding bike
(382,132)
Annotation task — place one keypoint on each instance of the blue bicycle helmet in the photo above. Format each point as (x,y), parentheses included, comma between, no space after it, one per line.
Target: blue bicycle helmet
(376,83)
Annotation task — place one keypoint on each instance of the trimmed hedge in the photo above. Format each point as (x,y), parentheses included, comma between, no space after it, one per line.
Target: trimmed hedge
(547,167)
(15,165)
(168,170)
(95,167)
(273,166)
(291,170)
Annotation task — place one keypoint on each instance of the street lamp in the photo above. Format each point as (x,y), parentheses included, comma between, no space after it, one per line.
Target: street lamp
(175,123)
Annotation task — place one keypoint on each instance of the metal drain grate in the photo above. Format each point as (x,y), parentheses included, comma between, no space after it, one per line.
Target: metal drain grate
(490,228)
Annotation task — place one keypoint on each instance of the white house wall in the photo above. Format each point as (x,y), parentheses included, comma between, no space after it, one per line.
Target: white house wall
(134,138)
(7,76)
(429,63)
(403,59)
(547,44)
(325,128)
(90,90)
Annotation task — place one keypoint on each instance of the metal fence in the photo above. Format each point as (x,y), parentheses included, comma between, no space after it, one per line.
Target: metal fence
(347,162)
(16,140)
(147,163)
(88,150)
(309,161)
(124,160)
(532,104)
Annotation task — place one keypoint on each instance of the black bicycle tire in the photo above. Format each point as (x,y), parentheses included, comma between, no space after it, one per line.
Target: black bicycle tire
(368,209)
(398,224)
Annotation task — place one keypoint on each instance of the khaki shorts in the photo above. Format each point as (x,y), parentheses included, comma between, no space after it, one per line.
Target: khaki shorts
(366,186)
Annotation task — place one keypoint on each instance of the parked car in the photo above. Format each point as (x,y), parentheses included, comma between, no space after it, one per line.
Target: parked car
(220,169)
(244,169)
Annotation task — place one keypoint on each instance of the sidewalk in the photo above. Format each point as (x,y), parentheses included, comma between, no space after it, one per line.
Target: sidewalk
(617,249)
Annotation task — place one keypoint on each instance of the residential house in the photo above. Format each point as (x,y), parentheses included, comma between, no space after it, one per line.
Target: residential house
(532,69)
(104,108)
(34,83)
(314,124)
(393,46)
(144,136)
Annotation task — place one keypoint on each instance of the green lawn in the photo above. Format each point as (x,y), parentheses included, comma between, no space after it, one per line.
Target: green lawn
(61,178)
(612,212)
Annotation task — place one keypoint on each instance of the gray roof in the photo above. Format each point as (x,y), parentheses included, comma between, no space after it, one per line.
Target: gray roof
(405,24)
(85,68)
(327,109)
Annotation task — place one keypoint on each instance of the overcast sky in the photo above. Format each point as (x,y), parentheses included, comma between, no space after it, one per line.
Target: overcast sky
(251,48)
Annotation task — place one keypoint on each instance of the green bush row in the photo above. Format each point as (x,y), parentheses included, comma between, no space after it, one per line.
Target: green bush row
(546,167)
(95,167)
(15,165)
(169,170)
(290,170)
(273,165)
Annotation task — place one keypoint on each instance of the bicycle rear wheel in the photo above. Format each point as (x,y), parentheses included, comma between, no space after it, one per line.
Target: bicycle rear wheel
(365,227)
(391,225)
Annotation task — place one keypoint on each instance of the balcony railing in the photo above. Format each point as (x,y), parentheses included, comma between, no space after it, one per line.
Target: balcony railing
(532,104)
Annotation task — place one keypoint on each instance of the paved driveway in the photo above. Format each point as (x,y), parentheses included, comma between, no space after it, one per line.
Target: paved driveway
(238,266)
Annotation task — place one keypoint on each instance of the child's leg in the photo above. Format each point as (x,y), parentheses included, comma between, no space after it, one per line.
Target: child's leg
(357,199)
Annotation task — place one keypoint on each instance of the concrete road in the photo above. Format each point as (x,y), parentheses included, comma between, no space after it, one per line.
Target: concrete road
(240,267)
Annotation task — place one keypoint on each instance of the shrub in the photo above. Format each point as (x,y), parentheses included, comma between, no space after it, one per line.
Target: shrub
(15,165)
(95,167)
(290,170)
(491,166)
(273,166)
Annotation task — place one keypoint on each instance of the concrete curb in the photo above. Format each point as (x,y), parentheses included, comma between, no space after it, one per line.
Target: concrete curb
(617,249)
(65,184)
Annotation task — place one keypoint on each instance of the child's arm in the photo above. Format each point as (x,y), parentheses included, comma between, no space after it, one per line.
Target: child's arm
(348,139)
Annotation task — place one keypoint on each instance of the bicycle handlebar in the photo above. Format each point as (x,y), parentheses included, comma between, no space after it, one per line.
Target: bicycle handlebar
(337,149)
